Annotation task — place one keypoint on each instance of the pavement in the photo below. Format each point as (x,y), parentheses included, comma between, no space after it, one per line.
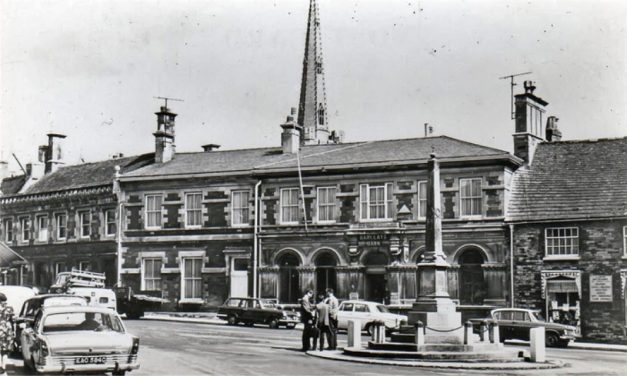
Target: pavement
(211,318)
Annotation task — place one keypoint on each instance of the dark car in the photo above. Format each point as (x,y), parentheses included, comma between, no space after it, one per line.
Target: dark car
(252,311)
(515,323)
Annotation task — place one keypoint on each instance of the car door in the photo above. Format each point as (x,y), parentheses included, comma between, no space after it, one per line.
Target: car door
(504,319)
(362,313)
(520,330)
(27,337)
(344,313)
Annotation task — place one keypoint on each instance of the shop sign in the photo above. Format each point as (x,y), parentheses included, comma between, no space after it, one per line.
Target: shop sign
(600,288)
(372,239)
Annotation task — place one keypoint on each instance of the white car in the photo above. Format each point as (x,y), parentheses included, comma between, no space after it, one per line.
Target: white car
(79,339)
(367,313)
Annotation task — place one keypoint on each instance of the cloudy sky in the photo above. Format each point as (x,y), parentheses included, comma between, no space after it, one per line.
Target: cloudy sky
(90,69)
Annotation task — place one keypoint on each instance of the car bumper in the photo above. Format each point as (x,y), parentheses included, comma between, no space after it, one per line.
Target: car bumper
(66,364)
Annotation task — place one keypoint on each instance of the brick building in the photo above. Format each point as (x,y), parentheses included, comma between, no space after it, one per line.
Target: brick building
(568,213)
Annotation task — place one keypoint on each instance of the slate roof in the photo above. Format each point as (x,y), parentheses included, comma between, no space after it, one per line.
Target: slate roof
(86,174)
(572,180)
(12,185)
(329,156)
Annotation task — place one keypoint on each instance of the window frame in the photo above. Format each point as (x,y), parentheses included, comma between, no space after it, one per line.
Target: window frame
(292,206)
(8,230)
(57,227)
(187,209)
(184,277)
(332,205)
(107,222)
(38,220)
(462,198)
(420,200)
(152,279)
(81,223)
(148,212)
(28,229)
(574,242)
(83,262)
(388,201)
(245,209)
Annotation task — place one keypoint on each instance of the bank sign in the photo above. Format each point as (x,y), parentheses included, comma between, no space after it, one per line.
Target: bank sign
(600,288)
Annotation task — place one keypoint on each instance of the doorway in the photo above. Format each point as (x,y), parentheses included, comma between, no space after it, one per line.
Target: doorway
(375,279)
(326,276)
(289,281)
(239,277)
(472,289)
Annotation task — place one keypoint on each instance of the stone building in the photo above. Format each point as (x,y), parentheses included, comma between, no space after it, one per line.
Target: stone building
(57,217)
(568,213)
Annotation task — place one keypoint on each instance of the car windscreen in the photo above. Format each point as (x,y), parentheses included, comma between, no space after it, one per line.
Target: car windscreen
(382,308)
(538,316)
(73,321)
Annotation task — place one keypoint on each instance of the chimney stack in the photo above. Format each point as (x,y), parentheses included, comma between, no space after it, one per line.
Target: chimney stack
(53,152)
(4,170)
(35,171)
(164,136)
(553,133)
(210,147)
(290,137)
(529,130)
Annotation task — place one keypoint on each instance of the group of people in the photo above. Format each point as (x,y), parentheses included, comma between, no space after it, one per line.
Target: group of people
(320,320)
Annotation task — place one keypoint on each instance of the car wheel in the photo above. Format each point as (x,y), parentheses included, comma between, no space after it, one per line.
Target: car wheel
(273,324)
(563,343)
(231,320)
(369,329)
(552,340)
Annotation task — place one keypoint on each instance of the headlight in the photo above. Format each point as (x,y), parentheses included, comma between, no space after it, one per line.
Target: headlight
(135,348)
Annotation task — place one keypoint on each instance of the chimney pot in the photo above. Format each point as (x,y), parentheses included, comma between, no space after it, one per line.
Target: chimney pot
(529,87)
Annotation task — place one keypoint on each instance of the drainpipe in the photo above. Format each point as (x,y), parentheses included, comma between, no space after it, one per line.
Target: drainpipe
(255,241)
(119,244)
(511,264)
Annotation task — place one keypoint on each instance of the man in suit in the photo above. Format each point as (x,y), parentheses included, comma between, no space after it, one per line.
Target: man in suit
(306,317)
(322,313)
(333,308)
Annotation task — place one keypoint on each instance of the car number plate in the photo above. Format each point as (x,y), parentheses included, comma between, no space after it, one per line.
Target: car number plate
(90,360)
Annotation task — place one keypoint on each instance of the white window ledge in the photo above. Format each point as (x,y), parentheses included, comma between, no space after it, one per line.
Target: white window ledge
(192,301)
(562,258)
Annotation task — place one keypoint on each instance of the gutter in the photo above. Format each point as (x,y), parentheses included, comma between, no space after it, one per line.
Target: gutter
(511,264)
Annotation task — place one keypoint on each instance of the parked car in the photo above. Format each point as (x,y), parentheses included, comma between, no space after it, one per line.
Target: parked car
(515,323)
(367,313)
(134,305)
(32,306)
(78,339)
(17,295)
(252,311)
(96,297)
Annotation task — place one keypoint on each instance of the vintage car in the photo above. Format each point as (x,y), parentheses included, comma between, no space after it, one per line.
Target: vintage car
(78,339)
(32,306)
(367,313)
(515,323)
(252,311)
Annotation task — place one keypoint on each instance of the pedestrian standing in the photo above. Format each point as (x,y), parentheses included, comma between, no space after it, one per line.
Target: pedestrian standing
(333,308)
(322,311)
(6,329)
(306,317)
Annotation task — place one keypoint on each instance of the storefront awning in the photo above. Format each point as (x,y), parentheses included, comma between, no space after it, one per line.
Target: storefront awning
(562,286)
(9,258)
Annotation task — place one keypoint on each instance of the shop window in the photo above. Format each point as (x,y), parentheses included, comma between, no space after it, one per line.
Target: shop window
(192,278)
(470,197)
(110,223)
(153,211)
(376,201)
(84,219)
(563,301)
(289,205)
(193,210)
(240,208)
(561,241)
(151,271)
(60,220)
(8,230)
(326,204)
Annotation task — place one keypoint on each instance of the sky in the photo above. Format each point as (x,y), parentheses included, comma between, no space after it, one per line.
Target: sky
(91,70)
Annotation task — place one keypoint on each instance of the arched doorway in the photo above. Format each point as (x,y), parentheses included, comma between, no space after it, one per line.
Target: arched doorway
(376,283)
(289,283)
(326,276)
(472,289)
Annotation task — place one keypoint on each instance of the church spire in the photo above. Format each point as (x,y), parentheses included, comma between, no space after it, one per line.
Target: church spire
(312,109)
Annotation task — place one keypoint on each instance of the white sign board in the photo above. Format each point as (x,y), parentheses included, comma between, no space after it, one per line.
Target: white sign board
(600,288)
